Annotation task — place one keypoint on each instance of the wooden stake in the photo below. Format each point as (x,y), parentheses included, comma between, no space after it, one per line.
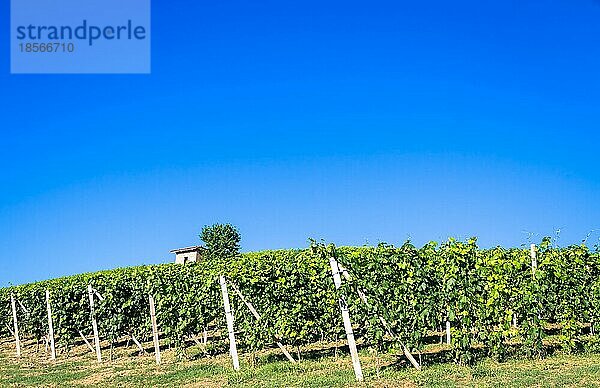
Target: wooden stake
(15,325)
(50,327)
(257,316)
(98,295)
(229,319)
(248,304)
(193,337)
(204,336)
(9,329)
(448,332)
(337,280)
(138,344)
(534,264)
(86,341)
(94,323)
(387,327)
(23,307)
(154,329)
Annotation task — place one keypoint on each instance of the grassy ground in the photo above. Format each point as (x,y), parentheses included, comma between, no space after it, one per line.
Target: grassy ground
(320,368)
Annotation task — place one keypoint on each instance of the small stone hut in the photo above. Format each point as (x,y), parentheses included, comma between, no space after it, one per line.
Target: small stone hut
(188,254)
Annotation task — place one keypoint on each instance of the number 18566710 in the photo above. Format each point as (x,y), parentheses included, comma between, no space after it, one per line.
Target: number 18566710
(46,47)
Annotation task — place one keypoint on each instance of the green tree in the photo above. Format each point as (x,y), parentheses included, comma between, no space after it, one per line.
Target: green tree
(221,240)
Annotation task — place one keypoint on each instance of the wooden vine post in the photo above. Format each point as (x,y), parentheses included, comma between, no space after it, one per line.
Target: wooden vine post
(337,280)
(532,254)
(154,329)
(50,327)
(448,338)
(94,323)
(534,265)
(229,319)
(386,326)
(138,344)
(15,325)
(533,258)
(257,316)
(86,341)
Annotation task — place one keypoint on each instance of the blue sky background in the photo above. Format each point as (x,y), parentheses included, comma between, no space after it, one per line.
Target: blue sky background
(350,121)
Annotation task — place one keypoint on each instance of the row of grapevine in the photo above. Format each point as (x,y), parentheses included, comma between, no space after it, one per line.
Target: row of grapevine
(291,288)
(491,298)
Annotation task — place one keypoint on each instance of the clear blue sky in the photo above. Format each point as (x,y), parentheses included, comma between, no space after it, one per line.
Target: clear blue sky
(350,121)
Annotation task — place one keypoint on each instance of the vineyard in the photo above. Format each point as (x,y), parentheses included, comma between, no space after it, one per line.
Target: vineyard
(487,302)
